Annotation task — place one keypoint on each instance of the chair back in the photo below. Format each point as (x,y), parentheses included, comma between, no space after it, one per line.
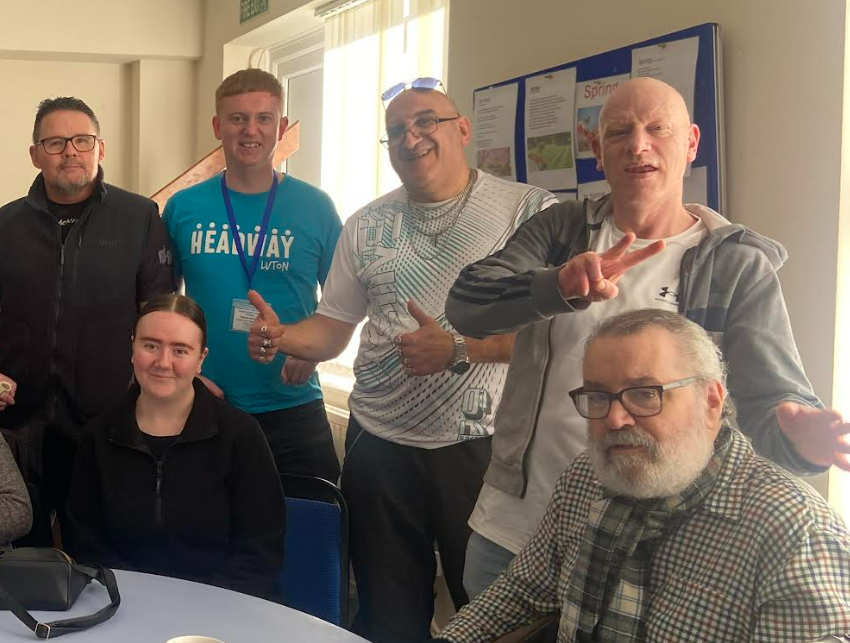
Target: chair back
(314,578)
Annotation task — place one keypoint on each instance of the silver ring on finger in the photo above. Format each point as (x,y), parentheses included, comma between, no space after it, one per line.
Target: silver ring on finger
(263,359)
(264,330)
(262,350)
(267,343)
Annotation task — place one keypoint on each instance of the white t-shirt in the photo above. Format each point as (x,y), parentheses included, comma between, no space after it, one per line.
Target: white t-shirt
(381,261)
(561,432)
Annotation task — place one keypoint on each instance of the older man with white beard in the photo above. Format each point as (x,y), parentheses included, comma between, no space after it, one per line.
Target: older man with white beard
(669,527)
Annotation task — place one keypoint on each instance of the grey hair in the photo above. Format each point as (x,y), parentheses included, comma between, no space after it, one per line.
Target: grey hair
(698,351)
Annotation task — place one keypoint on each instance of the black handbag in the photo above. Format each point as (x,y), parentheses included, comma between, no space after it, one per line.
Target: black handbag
(35,578)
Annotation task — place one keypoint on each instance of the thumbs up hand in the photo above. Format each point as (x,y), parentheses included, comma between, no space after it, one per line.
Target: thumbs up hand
(266,331)
(428,350)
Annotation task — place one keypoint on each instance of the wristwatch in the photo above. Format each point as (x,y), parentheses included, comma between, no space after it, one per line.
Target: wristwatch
(460,361)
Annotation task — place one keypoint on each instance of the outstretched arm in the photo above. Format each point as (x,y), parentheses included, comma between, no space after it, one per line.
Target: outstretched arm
(765,369)
(517,285)
(315,339)
(431,348)
(520,284)
(820,436)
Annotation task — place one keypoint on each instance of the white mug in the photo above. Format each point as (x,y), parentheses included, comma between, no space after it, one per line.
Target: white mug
(193,639)
(5,387)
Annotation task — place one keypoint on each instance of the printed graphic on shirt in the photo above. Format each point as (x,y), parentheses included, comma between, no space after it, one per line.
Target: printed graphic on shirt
(476,404)
(293,260)
(395,262)
(394,273)
(212,239)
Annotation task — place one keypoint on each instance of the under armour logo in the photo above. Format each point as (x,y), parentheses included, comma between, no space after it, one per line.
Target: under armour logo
(666,292)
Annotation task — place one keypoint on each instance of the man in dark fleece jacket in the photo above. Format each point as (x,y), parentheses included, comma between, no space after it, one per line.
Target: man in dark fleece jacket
(78,256)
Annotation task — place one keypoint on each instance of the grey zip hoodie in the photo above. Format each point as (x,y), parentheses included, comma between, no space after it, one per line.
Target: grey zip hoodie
(728,286)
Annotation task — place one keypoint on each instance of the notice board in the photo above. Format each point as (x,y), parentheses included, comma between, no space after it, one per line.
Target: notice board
(535,128)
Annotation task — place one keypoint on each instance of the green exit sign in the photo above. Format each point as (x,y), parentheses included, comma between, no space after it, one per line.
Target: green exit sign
(251,9)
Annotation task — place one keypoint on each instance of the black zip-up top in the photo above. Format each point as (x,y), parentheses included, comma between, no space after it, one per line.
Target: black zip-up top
(67,310)
(210,510)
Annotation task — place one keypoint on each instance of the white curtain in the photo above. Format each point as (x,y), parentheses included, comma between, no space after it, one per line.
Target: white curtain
(369,48)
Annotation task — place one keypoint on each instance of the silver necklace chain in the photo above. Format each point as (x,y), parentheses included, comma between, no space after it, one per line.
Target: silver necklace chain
(433,222)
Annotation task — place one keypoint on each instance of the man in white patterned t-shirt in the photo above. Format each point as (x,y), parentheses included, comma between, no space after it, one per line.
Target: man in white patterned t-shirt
(424,397)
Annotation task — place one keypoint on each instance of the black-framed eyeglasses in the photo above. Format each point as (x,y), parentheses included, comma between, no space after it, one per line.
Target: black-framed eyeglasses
(57,144)
(639,401)
(422,126)
(426,82)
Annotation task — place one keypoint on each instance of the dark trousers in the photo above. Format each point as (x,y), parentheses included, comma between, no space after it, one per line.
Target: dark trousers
(301,441)
(58,450)
(45,457)
(401,500)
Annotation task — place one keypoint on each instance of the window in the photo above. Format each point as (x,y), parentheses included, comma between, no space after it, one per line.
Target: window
(368,48)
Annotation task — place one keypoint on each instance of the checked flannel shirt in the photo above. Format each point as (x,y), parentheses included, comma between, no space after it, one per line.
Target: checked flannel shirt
(764,559)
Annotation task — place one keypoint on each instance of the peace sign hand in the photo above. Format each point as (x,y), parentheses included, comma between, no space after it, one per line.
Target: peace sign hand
(594,276)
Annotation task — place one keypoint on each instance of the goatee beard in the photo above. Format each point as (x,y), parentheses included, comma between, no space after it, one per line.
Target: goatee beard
(71,188)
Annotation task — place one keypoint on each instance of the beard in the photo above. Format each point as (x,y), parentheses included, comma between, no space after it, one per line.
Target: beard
(661,469)
(71,187)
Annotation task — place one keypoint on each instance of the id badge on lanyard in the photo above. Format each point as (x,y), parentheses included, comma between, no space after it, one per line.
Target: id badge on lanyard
(242,313)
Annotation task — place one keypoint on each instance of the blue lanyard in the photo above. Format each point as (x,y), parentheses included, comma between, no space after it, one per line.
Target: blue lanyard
(258,249)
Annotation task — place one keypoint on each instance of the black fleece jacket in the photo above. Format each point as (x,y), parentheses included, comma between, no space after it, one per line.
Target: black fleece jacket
(67,310)
(211,511)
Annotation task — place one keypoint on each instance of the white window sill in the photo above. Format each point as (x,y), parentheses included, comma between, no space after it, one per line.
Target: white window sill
(337,381)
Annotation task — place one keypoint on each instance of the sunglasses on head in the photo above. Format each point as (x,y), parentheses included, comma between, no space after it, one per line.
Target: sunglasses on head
(419,83)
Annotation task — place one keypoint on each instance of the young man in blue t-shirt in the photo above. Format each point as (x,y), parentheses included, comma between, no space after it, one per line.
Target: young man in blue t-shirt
(287,231)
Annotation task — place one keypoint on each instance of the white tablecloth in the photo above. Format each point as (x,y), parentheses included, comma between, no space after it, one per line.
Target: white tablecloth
(155,609)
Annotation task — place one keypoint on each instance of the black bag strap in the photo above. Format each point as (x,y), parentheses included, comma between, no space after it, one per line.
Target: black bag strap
(53,629)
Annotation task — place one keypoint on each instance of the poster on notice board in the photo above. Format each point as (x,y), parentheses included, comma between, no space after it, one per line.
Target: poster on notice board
(590,96)
(549,156)
(495,123)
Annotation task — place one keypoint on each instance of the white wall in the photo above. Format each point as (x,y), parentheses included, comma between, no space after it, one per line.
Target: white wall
(163,127)
(783,82)
(839,481)
(227,46)
(122,28)
(104,87)
(97,51)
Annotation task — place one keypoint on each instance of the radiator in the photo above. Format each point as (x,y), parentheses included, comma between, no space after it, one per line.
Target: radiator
(338,419)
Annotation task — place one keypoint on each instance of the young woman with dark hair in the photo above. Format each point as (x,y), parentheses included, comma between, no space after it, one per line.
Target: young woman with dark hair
(175,481)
